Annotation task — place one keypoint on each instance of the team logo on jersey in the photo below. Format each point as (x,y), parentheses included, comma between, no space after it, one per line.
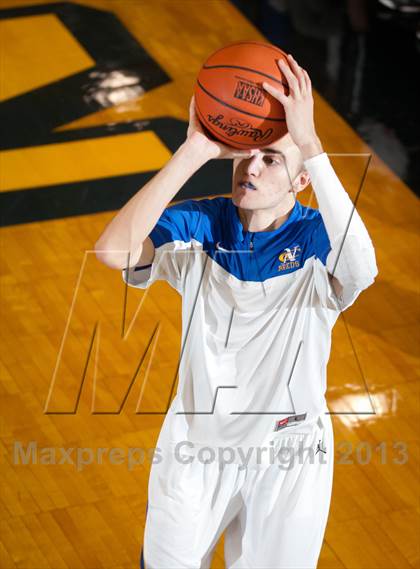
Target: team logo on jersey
(220,248)
(289,258)
(289,421)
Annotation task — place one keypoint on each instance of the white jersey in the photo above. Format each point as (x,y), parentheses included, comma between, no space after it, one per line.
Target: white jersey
(257,314)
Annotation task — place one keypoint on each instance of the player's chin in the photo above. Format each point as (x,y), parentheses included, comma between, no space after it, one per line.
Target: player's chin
(244,202)
(242,197)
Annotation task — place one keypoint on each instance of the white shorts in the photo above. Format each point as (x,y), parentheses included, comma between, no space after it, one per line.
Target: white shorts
(273,516)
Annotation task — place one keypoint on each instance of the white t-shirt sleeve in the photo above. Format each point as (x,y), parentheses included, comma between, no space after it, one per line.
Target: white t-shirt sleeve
(171,236)
(341,239)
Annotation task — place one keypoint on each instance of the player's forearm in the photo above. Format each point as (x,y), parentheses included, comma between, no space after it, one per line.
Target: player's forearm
(334,203)
(126,232)
(352,250)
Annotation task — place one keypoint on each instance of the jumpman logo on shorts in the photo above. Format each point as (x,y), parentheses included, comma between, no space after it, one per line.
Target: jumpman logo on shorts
(319,449)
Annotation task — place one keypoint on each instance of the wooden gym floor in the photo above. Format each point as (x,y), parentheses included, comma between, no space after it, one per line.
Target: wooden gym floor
(71,338)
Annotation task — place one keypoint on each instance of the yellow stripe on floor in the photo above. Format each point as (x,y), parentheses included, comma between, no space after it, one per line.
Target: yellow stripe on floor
(81,160)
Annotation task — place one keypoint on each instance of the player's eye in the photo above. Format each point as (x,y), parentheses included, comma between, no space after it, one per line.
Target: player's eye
(269,160)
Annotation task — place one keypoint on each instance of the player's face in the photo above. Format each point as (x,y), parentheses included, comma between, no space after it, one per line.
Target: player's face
(265,180)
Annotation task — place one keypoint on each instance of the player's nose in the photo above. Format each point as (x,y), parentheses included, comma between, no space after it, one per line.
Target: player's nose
(253,164)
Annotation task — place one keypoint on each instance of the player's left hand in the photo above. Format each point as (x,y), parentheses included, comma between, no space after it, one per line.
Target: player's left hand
(200,142)
(298,104)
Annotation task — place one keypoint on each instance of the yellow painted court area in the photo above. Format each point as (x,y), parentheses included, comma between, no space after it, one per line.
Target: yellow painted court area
(81,160)
(37,50)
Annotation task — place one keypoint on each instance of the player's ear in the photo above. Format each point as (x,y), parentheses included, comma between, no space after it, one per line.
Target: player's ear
(301,181)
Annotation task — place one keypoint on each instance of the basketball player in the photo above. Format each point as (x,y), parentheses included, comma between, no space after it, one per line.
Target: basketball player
(247,445)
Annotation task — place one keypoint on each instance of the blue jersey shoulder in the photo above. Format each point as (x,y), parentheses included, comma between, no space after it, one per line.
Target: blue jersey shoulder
(178,222)
(313,226)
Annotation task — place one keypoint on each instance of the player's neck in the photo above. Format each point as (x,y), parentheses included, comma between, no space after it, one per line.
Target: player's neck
(265,219)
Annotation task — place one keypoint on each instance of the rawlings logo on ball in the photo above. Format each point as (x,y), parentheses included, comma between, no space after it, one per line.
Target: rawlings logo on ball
(235,127)
(249,92)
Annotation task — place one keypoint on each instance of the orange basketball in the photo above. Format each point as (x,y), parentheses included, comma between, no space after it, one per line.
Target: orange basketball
(230,100)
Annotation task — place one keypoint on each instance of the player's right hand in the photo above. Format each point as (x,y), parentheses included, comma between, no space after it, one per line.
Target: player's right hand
(200,142)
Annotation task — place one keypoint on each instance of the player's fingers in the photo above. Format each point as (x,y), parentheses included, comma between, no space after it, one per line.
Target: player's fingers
(232,153)
(307,81)
(245,153)
(289,76)
(192,107)
(298,71)
(194,122)
(277,93)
